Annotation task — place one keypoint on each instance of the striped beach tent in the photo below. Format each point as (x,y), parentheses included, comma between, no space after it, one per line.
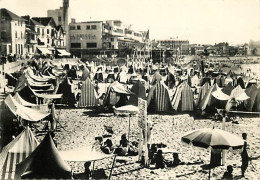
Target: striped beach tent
(208,100)
(183,98)
(116,95)
(88,96)
(44,162)
(158,98)
(204,89)
(15,152)
(138,91)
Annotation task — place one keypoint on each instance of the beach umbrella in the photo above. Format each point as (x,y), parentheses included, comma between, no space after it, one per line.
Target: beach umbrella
(214,138)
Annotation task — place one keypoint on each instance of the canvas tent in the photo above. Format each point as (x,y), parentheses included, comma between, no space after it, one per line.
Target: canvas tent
(158,98)
(138,91)
(116,95)
(183,98)
(26,113)
(15,152)
(88,97)
(204,89)
(209,100)
(228,89)
(44,162)
(253,103)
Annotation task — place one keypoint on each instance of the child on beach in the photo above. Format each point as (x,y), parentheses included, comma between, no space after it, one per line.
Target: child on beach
(228,174)
(159,160)
(88,172)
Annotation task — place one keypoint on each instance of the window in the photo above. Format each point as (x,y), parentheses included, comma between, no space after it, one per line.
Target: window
(21,35)
(93,27)
(72,27)
(21,49)
(78,27)
(48,40)
(18,23)
(112,39)
(15,34)
(91,45)
(42,31)
(38,30)
(88,27)
(48,31)
(75,45)
(59,18)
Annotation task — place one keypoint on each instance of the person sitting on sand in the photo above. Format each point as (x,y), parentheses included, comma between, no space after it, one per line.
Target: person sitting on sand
(108,147)
(124,145)
(228,174)
(88,172)
(152,152)
(159,160)
(176,161)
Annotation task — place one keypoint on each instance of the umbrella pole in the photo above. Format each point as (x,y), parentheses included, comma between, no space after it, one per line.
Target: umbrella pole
(93,168)
(129,128)
(112,167)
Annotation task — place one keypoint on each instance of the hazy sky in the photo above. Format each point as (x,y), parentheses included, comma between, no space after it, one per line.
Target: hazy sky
(199,21)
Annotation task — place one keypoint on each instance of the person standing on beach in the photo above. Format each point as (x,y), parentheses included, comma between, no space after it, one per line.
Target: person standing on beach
(244,156)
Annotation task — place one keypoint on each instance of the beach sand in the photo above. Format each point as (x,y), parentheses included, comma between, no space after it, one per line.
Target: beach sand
(82,126)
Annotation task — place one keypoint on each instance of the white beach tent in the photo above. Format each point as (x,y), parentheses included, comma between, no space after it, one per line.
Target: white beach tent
(26,113)
(15,152)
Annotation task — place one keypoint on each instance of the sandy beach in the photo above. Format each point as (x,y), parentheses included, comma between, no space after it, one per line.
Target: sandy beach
(81,126)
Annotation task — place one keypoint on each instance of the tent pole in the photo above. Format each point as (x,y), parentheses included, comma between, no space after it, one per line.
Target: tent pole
(114,160)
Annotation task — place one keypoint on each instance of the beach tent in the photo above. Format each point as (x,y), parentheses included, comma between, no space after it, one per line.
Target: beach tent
(88,96)
(122,77)
(20,100)
(209,100)
(138,90)
(204,80)
(170,80)
(110,77)
(250,82)
(98,76)
(228,88)
(156,78)
(25,113)
(251,103)
(202,92)
(183,98)
(239,81)
(15,152)
(220,81)
(65,88)
(116,95)
(158,98)
(237,96)
(44,162)
(228,80)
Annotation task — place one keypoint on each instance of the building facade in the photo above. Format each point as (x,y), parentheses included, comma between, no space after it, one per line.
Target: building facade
(12,34)
(62,17)
(181,46)
(106,38)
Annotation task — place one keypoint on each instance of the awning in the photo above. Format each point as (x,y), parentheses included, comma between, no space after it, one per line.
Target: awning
(24,112)
(46,96)
(44,50)
(63,52)
(83,154)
